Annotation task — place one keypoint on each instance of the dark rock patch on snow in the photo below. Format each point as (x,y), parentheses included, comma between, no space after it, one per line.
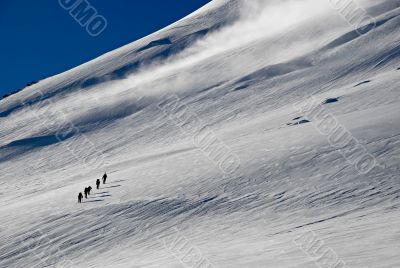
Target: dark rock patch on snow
(303,121)
(240,87)
(362,83)
(330,100)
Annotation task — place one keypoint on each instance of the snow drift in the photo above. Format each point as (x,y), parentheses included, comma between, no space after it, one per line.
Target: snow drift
(253,80)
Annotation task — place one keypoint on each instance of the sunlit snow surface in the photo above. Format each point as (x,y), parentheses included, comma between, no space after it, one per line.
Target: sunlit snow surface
(240,68)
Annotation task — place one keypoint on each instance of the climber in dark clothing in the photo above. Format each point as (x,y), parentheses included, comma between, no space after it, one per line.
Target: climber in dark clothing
(80,196)
(104,178)
(98,183)
(86,192)
(89,189)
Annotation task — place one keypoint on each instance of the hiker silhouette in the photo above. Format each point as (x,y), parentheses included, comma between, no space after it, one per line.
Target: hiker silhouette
(98,183)
(80,196)
(86,192)
(89,189)
(104,178)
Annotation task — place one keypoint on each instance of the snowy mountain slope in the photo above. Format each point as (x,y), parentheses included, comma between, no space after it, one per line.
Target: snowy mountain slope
(241,68)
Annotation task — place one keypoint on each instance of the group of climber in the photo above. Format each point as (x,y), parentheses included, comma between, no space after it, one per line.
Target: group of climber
(88,189)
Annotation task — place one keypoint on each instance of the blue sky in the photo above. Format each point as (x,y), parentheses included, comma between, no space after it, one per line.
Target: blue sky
(40,39)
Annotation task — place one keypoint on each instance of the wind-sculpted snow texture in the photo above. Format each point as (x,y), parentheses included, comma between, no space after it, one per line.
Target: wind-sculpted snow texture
(262,87)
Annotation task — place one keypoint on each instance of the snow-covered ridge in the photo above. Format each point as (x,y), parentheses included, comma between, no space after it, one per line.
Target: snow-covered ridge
(239,71)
